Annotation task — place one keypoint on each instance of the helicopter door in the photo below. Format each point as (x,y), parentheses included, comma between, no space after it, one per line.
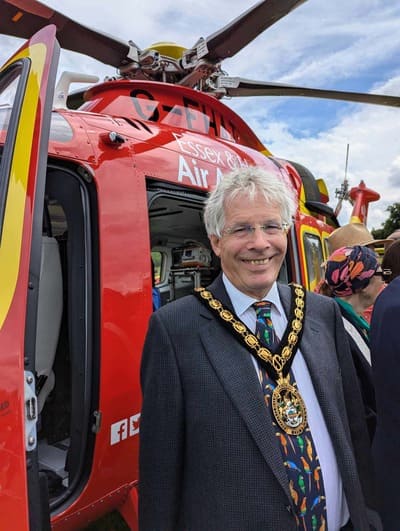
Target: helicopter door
(26,94)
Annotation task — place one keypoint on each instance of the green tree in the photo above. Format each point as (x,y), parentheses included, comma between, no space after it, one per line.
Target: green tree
(390,225)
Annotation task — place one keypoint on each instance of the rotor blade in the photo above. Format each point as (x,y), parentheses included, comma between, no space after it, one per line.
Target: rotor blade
(22,18)
(237,34)
(236,86)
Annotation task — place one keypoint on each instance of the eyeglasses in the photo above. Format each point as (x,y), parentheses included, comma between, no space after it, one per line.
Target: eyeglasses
(385,274)
(247,231)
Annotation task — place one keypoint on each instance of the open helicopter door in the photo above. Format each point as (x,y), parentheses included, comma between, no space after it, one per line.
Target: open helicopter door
(26,86)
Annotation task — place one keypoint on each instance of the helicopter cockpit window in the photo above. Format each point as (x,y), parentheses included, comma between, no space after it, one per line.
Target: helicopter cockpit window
(12,86)
(157,258)
(5,113)
(314,259)
(7,97)
(60,130)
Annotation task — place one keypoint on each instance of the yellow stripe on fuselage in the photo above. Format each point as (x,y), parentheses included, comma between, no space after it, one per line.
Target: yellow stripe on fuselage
(11,242)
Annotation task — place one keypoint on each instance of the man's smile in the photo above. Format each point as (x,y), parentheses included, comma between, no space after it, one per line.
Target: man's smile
(256,261)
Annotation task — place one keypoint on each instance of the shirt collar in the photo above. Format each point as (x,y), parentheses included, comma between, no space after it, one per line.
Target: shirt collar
(241,302)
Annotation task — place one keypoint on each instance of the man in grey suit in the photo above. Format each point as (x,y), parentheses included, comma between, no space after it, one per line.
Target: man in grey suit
(238,432)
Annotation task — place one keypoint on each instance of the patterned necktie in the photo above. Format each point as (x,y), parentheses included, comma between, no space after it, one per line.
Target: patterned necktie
(298,451)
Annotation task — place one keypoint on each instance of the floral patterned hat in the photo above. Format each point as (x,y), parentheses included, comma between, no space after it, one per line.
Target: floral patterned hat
(349,269)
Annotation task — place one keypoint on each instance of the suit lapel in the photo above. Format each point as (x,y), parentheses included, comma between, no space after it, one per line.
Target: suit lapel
(235,369)
(322,374)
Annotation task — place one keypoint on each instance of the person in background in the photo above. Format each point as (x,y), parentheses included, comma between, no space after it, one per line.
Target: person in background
(385,354)
(353,277)
(155,292)
(391,261)
(355,234)
(250,418)
(394,236)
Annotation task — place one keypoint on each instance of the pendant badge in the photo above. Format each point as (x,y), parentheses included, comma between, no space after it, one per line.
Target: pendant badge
(289,408)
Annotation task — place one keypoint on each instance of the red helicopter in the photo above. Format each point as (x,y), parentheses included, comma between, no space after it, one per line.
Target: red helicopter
(101,195)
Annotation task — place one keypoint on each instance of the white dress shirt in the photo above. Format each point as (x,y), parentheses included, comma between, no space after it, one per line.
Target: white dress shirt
(336,505)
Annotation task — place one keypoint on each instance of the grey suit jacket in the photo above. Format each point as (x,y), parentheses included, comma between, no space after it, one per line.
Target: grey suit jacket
(209,458)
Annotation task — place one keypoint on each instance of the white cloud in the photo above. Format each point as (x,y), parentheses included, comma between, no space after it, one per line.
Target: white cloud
(322,44)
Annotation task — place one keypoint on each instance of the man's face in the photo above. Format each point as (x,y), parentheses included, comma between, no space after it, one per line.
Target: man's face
(251,261)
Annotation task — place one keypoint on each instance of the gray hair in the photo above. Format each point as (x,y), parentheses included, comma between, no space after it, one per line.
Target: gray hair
(249,181)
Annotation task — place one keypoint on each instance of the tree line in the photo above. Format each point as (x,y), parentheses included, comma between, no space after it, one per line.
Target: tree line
(390,225)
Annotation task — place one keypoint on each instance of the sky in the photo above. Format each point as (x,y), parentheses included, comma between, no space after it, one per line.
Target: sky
(345,45)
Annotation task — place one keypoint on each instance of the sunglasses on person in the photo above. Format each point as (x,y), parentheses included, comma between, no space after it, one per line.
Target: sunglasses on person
(383,273)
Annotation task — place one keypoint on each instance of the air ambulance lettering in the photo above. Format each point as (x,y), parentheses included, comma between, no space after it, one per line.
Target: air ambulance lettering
(196,175)
(225,159)
(235,161)
(193,149)
(219,175)
(213,156)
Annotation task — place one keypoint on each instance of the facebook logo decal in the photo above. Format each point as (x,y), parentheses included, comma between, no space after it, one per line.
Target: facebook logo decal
(119,431)
(124,428)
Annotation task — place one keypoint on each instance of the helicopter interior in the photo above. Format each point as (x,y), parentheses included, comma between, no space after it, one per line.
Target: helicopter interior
(179,244)
(65,339)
